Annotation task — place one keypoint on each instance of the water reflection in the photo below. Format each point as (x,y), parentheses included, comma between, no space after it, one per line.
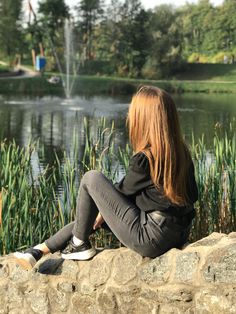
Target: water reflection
(201,113)
(53,120)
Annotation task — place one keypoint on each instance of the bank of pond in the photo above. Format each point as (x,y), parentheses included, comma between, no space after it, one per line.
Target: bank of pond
(95,85)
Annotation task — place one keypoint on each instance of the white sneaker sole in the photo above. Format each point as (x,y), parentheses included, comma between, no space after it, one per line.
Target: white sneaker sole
(25,259)
(80,256)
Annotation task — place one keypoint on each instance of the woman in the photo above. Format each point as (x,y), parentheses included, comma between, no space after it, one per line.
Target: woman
(150,210)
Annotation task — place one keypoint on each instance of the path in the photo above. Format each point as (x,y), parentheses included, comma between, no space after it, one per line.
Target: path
(26,72)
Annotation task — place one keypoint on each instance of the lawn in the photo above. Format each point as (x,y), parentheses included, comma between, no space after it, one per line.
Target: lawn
(211,72)
(203,78)
(4,68)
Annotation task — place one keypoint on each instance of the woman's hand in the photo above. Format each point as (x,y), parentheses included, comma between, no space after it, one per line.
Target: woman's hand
(98,221)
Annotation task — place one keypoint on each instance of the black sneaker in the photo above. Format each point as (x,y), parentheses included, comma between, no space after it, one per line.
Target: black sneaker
(29,257)
(81,253)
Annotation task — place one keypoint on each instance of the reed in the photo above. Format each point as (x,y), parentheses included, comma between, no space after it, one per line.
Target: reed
(29,211)
(215,171)
(36,205)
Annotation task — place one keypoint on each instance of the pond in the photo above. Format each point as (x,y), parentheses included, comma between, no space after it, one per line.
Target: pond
(53,120)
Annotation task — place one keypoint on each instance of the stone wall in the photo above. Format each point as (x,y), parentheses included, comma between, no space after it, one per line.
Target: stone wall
(198,279)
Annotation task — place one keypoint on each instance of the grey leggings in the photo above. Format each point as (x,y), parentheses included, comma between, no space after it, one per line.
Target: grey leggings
(134,228)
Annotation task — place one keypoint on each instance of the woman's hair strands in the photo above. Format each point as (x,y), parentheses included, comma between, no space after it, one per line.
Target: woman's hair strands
(154,129)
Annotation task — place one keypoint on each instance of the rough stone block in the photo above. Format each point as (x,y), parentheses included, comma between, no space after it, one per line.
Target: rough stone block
(20,310)
(129,301)
(175,293)
(95,273)
(14,294)
(3,288)
(186,266)
(20,275)
(85,288)
(156,271)
(82,304)
(58,300)
(125,266)
(69,287)
(38,301)
(69,269)
(220,265)
(149,293)
(4,302)
(210,240)
(232,235)
(107,303)
(99,272)
(4,270)
(41,279)
(174,309)
(216,299)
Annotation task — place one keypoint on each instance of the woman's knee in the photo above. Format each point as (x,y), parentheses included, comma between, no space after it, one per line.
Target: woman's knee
(91,176)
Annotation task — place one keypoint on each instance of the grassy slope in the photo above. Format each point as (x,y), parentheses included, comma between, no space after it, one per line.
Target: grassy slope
(215,78)
(212,72)
(4,68)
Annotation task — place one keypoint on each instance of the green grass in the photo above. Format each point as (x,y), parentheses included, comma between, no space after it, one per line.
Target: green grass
(36,206)
(203,78)
(4,69)
(208,72)
(35,86)
(92,85)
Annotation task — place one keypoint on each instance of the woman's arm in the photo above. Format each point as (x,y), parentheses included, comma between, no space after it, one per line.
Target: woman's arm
(137,177)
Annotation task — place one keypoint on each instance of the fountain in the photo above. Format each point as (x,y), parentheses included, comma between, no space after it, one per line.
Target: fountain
(71,67)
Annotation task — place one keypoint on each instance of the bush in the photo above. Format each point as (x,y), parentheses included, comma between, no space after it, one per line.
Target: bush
(198,58)
(97,67)
(193,58)
(51,64)
(151,70)
(219,57)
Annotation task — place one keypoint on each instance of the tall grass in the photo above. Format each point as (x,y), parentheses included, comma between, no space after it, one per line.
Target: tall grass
(34,206)
(216,177)
(29,210)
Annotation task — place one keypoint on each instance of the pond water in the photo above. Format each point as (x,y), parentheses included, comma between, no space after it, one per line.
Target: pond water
(53,120)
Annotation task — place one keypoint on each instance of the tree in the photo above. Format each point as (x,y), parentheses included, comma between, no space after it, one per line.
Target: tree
(50,26)
(198,28)
(208,30)
(166,49)
(89,13)
(134,38)
(10,27)
(106,39)
(227,25)
(53,14)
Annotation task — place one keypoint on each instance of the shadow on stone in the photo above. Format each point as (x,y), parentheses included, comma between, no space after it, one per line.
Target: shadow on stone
(51,266)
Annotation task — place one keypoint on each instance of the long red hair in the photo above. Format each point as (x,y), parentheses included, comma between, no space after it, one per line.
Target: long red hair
(154,129)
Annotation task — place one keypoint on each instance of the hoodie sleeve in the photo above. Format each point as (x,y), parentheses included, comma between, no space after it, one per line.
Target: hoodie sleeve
(137,177)
(192,185)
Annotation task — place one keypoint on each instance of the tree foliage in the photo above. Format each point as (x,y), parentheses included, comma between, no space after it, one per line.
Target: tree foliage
(122,38)
(52,15)
(10,27)
(89,14)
